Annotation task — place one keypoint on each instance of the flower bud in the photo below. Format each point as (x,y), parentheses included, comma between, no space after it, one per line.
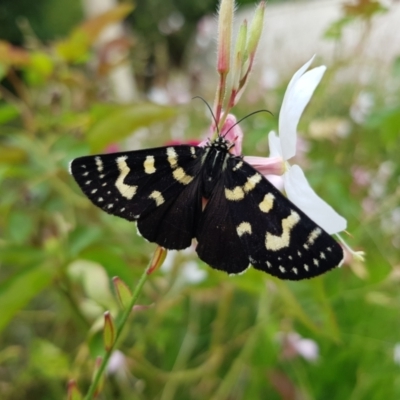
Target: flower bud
(157,260)
(123,292)
(224,35)
(73,391)
(108,331)
(255,30)
(240,55)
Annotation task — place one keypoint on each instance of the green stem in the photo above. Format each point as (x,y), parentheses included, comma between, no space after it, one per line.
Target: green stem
(120,327)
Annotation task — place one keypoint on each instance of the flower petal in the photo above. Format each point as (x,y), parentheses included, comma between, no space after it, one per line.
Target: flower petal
(233,133)
(299,191)
(297,96)
(266,165)
(275,148)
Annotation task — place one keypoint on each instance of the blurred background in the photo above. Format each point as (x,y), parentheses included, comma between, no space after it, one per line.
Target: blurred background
(84,76)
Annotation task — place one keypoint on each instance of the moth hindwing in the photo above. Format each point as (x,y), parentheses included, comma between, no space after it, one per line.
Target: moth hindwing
(177,193)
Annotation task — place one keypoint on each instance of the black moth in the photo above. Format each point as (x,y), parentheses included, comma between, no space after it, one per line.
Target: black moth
(177,193)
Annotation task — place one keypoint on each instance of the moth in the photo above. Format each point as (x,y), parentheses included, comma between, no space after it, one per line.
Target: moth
(238,218)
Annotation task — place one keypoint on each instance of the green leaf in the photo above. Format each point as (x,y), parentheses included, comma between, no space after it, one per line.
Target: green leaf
(387,122)
(40,68)
(16,292)
(8,112)
(121,122)
(95,282)
(21,226)
(48,360)
(76,46)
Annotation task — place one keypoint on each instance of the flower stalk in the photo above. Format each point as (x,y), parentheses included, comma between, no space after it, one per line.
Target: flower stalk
(101,362)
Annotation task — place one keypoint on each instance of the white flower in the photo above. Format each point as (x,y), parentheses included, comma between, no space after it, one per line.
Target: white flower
(298,94)
(190,272)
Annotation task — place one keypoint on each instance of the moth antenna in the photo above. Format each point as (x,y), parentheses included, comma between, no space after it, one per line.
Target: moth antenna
(249,115)
(211,111)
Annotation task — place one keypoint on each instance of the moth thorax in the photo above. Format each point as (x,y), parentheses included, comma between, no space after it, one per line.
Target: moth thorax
(212,168)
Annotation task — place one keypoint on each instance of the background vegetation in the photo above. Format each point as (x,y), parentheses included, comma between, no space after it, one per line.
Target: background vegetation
(197,333)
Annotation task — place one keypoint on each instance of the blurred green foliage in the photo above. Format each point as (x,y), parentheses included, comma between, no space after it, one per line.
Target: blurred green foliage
(219,338)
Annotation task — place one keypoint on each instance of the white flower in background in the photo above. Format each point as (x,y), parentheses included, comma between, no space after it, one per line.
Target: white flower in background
(298,190)
(362,107)
(189,271)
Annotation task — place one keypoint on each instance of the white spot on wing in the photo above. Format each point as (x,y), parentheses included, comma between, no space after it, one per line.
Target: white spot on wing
(93,191)
(88,182)
(238,166)
(282,269)
(180,175)
(99,164)
(126,191)
(157,197)
(238,192)
(313,235)
(243,228)
(172,157)
(149,165)
(275,242)
(252,182)
(234,194)
(267,204)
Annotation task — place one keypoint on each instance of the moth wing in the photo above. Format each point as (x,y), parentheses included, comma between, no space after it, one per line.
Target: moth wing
(131,184)
(172,224)
(218,243)
(278,237)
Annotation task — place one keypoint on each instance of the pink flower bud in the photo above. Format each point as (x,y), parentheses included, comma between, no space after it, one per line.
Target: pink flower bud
(73,391)
(224,35)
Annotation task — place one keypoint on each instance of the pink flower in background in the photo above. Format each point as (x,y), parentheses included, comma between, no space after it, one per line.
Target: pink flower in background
(295,345)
